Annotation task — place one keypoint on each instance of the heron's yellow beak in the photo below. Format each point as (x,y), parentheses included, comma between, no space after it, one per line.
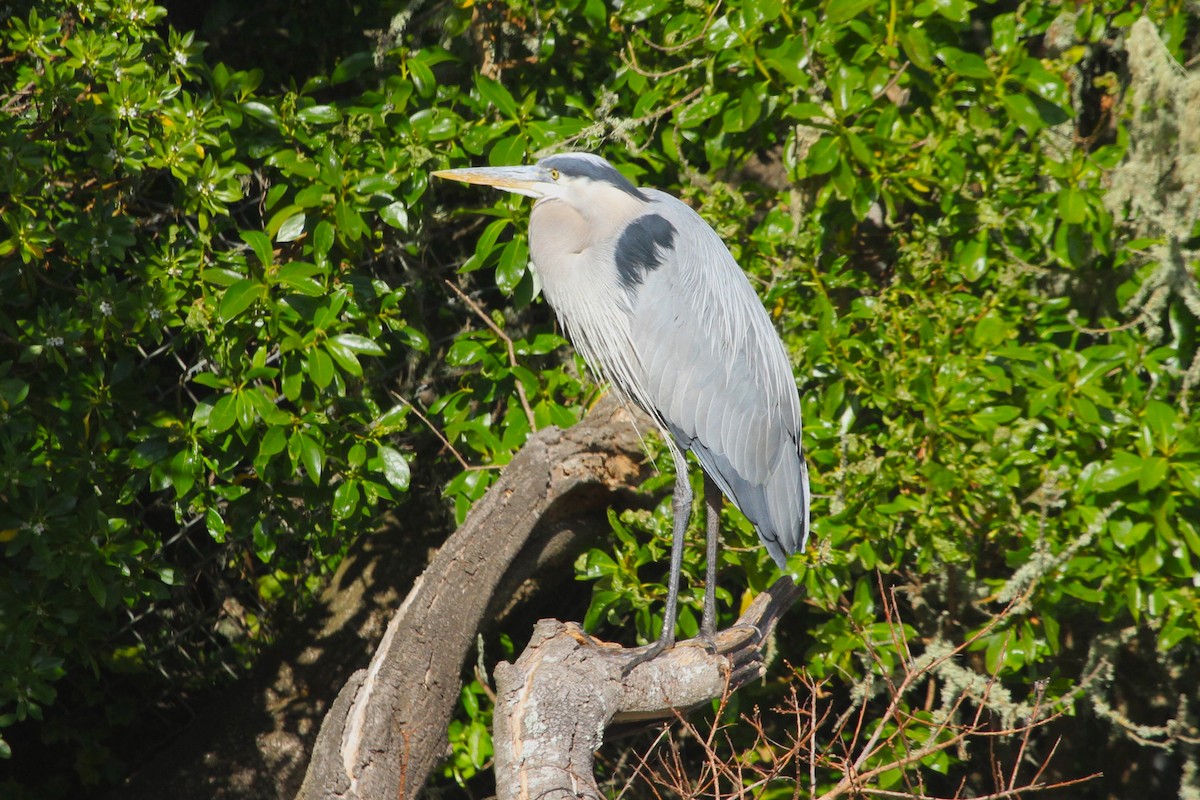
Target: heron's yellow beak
(531,181)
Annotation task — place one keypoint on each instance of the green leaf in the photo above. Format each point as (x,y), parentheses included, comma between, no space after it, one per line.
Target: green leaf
(260,243)
(1154,470)
(422,77)
(224,413)
(824,155)
(541,344)
(1162,421)
(496,95)
(953,10)
(1023,112)
(359,344)
(697,112)
(217,528)
(479,744)
(395,468)
(349,221)
(292,228)
(1190,535)
(221,276)
(508,151)
(1150,557)
(968,65)
(916,47)
(281,215)
(839,11)
(485,245)
(1085,410)
(312,456)
(1047,85)
(374,183)
(1122,470)
(244,407)
(211,381)
(351,67)
(298,276)
(464,352)
(319,115)
(345,499)
(972,259)
(238,298)
(184,467)
(1126,533)
(261,112)
(1072,205)
(323,237)
(97,590)
(993,329)
(273,441)
(990,418)
(345,357)
(395,214)
(320,367)
(513,260)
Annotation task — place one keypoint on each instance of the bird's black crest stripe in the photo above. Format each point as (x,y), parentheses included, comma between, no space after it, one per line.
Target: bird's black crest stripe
(640,248)
(585,168)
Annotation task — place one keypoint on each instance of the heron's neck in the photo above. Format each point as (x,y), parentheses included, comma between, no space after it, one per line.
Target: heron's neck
(585,224)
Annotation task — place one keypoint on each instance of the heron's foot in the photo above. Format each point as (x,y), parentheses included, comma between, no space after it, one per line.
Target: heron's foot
(705,639)
(649,653)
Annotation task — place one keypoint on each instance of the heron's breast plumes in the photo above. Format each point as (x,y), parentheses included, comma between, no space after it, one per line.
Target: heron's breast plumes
(580,280)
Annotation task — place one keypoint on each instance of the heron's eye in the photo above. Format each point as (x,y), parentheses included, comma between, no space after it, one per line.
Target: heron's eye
(554,175)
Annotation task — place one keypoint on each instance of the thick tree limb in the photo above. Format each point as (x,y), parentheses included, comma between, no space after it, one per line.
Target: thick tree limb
(386,730)
(555,703)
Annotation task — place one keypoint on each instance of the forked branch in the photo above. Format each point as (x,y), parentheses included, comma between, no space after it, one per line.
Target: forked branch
(555,703)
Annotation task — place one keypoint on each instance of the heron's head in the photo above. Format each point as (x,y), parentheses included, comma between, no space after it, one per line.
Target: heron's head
(587,182)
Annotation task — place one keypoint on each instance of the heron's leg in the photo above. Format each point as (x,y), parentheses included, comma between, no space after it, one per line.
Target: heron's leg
(712,507)
(682,508)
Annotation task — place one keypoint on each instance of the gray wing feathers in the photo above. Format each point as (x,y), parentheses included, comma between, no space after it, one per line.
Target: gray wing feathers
(720,380)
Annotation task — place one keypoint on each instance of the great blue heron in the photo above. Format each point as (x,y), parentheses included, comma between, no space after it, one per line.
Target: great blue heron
(654,301)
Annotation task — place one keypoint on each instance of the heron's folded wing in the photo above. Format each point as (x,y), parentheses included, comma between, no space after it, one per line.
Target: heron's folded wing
(719,378)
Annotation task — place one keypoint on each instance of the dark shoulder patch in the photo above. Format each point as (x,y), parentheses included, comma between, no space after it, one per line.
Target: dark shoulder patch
(642,247)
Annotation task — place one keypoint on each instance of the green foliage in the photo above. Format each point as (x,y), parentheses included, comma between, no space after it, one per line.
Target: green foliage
(226,337)
(207,288)
(184,345)
(470,741)
(470,735)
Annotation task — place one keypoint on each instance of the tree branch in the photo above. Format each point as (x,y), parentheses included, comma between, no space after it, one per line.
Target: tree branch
(387,729)
(555,703)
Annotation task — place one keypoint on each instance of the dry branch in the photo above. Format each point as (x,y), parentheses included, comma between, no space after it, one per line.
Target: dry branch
(820,748)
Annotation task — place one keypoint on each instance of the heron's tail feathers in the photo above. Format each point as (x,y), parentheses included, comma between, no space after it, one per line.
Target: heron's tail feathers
(782,522)
(778,507)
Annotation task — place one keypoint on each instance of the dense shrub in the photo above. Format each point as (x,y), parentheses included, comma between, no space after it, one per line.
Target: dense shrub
(225,335)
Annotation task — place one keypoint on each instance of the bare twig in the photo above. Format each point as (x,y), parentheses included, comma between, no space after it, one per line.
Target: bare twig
(442,438)
(900,740)
(508,343)
(1040,688)
(601,127)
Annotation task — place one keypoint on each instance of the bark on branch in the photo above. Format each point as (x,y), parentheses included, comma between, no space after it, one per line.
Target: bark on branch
(386,730)
(555,703)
